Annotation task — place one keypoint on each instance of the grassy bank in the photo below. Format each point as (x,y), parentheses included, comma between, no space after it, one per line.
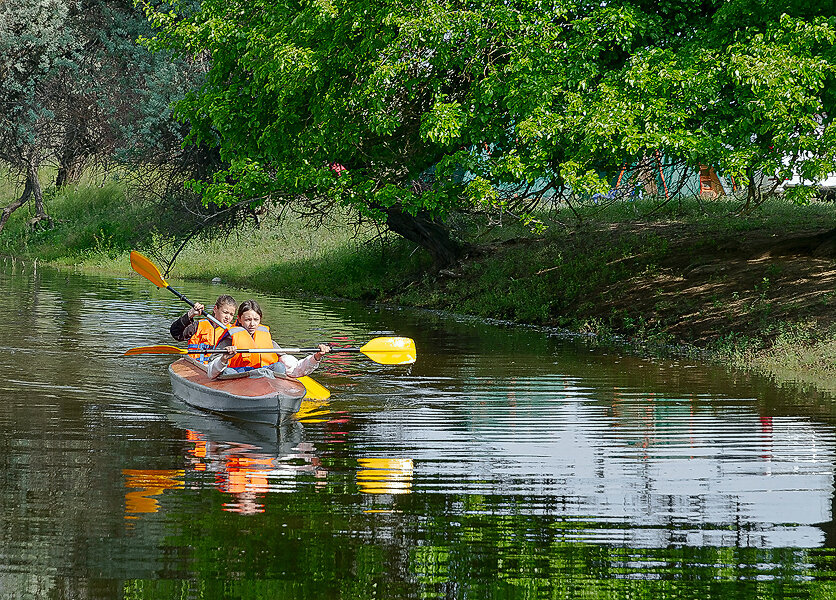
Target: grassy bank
(688,274)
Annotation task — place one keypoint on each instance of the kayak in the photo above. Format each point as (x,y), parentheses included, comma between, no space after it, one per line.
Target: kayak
(259,390)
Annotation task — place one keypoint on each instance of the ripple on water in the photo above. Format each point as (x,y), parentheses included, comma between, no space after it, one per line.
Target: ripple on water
(502,455)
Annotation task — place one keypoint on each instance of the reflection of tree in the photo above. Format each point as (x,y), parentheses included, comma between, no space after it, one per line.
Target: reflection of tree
(317,545)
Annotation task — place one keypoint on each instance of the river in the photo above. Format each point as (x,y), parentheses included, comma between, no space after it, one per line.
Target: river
(507,462)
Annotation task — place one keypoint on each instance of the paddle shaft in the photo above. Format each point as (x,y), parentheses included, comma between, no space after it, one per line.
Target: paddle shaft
(273,350)
(384,351)
(206,314)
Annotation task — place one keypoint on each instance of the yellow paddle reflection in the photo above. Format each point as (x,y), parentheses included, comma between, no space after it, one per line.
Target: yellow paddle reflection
(313,411)
(385,475)
(144,485)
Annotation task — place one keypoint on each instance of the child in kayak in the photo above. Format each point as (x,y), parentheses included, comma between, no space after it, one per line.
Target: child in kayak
(203,334)
(248,332)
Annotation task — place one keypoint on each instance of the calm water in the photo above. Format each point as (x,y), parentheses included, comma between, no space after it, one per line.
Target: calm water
(505,463)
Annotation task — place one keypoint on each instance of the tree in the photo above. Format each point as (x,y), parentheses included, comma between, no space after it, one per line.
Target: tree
(408,112)
(32,43)
(75,87)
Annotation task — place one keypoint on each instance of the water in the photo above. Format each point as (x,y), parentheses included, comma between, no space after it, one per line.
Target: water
(505,463)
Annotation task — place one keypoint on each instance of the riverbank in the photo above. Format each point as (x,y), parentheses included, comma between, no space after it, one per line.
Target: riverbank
(690,276)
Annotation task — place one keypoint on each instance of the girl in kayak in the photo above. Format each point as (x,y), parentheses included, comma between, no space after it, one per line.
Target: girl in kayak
(203,334)
(247,333)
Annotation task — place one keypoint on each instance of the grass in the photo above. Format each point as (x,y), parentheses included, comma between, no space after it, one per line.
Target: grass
(91,224)
(541,282)
(95,226)
(801,352)
(721,214)
(289,257)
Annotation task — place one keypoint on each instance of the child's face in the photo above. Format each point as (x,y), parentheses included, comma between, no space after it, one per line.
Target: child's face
(249,320)
(225,314)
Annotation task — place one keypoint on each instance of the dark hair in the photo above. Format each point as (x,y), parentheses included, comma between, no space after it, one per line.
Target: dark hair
(225,300)
(249,305)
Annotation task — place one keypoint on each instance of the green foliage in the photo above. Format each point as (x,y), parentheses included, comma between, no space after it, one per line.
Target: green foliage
(550,94)
(75,86)
(34,46)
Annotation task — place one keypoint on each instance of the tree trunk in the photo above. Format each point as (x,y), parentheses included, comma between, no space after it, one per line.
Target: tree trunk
(70,170)
(8,210)
(75,150)
(427,233)
(31,188)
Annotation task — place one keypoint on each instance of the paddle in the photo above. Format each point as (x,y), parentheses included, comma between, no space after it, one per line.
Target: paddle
(314,389)
(149,270)
(382,350)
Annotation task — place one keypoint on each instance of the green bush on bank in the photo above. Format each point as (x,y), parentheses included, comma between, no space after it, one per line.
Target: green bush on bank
(87,224)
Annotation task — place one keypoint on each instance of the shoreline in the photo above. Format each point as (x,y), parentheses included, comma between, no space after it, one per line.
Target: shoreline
(699,280)
(741,357)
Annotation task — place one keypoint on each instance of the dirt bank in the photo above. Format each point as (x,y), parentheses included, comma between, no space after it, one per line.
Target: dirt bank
(678,282)
(707,285)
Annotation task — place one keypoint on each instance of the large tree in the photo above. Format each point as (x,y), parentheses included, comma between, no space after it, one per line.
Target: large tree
(75,87)
(408,111)
(32,44)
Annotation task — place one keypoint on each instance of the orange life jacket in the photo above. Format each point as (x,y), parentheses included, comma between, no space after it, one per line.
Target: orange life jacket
(206,337)
(242,339)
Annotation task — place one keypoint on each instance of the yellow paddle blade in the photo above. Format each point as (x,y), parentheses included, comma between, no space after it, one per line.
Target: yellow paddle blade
(391,350)
(147,269)
(315,391)
(155,350)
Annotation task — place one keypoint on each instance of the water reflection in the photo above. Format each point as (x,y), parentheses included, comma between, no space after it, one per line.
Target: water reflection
(385,475)
(641,469)
(245,459)
(504,463)
(143,485)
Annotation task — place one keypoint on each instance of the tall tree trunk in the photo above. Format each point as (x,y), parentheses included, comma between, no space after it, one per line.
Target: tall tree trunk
(75,151)
(70,170)
(427,233)
(32,188)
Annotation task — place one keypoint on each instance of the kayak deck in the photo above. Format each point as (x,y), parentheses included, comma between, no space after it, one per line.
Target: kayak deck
(241,392)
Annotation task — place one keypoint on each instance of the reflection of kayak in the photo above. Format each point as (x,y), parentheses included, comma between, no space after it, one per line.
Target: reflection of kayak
(260,432)
(242,458)
(255,390)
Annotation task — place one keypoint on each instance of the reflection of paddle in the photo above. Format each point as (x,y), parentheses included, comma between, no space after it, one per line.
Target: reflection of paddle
(147,269)
(382,350)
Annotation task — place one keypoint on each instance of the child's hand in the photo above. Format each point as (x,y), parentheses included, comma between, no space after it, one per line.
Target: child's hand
(197,309)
